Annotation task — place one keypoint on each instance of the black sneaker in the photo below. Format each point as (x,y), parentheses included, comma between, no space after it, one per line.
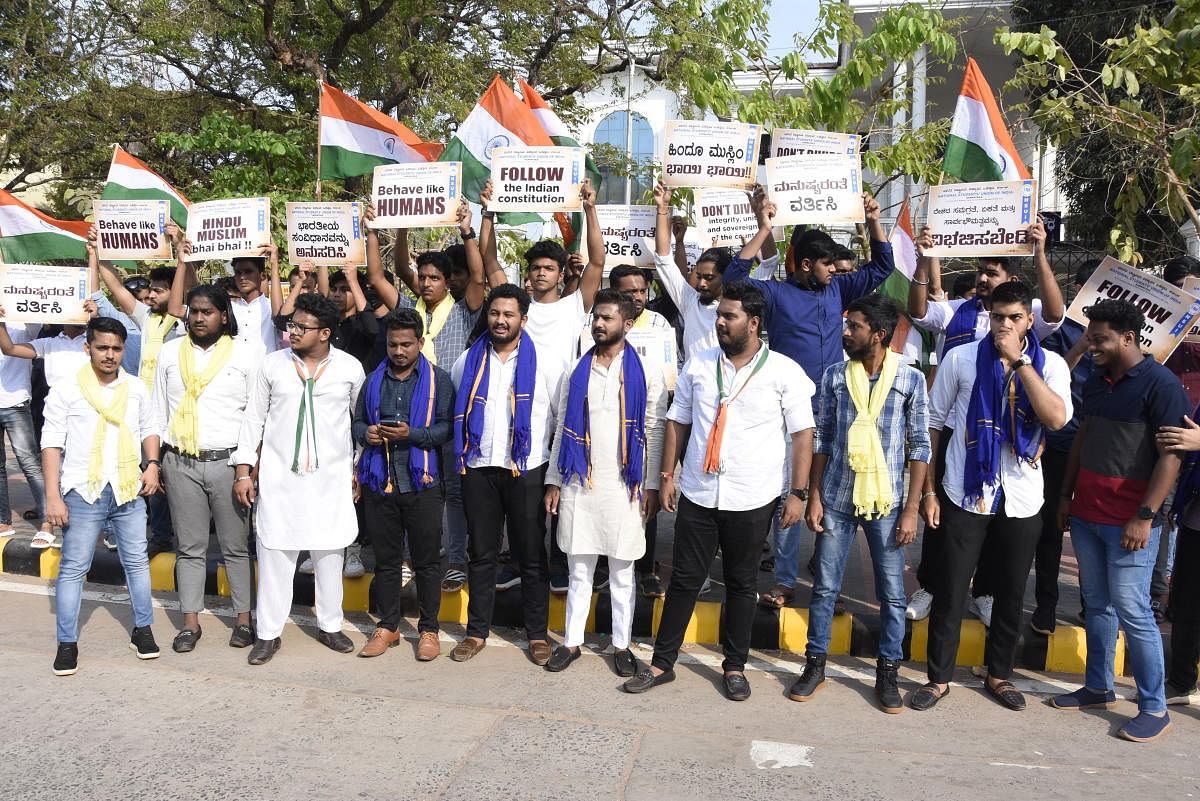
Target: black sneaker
(509,576)
(559,582)
(886,689)
(156,545)
(651,586)
(142,641)
(242,636)
(810,679)
(66,661)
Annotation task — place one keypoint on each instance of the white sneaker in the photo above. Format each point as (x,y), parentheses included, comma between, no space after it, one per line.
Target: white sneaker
(306,567)
(919,605)
(982,607)
(1177,697)
(353,567)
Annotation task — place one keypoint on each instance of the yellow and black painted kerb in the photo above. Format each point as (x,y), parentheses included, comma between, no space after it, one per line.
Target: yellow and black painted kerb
(783,629)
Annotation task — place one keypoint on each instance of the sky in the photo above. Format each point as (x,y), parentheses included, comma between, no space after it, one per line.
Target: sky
(789,17)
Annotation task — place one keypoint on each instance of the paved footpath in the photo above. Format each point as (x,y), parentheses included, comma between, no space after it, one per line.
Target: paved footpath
(317,725)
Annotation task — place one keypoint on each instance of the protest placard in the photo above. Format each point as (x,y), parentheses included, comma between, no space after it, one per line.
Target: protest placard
(708,153)
(417,195)
(724,216)
(824,189)
(991,218)
(132,229)
(799,142)
(1191,285)
(1170,312)
(628,233)
(40,293)
(537,179)
(325,233)
(227,229)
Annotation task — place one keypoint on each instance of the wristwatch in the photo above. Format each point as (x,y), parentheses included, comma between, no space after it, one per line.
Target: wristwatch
(1024,361)
(1146,513)
(149,462)
(802,494)
(468,235)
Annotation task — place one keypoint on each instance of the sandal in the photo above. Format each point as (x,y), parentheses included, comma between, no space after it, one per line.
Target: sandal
(777,598)
(453,580)
(42,540)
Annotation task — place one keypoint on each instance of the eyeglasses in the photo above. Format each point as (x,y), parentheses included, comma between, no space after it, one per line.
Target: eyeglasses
(295,327)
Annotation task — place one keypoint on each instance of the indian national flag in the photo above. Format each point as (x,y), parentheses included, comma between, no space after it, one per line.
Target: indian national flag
(907,341)
(979,147)
(130,179)
(355,139)
(29,236)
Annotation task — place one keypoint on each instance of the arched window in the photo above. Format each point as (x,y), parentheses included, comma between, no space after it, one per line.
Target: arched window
(611,131)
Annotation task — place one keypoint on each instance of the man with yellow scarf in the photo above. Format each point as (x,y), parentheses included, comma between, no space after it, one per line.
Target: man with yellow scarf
(872,416)
(95,474)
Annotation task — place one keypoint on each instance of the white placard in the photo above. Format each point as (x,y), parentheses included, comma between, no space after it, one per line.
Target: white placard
(41,293)
(419,195)
(822,189)
(228,229)
(990,218)
(325,233)
(628,233)
(724,216)
(132,229)
(703,153)
(800,142)
(537,179)
(656,347)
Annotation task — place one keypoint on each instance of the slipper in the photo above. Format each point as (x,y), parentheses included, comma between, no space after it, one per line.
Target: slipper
(777,598)
(1008,695)
(43,540)
(927,697)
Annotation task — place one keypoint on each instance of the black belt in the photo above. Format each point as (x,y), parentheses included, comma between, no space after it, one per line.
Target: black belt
(203,456)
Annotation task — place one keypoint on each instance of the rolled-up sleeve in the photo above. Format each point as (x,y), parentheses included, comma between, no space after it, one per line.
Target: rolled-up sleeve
(916,415)
(826,413)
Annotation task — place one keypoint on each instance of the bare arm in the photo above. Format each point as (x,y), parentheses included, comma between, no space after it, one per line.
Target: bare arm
(125,300)
(679,231)
(593,273)
(402,261)
(664,225)
(360,300)
(923,277)
(21,350)
(375,277)
(673,441)
(323,280)
(487,241)
(185,272)
(275,286)
(764,210)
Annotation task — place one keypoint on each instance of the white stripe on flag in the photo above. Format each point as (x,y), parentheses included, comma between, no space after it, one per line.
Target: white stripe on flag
(130,178)
(904,252)
(336,132)
(551,123)
(480,132)
(16,221)
(971,122)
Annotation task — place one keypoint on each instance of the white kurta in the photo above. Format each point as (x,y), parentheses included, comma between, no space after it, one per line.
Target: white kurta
(302,512)
(603,519)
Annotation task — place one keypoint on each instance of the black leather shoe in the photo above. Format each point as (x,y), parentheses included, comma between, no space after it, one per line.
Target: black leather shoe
(1008,695)
(185,641)
(886,689)
(625,663)
(737,688)
(646,680)
(811,679)
(562,658)
(927,697)
(242,636)
(336,641)
(262,651)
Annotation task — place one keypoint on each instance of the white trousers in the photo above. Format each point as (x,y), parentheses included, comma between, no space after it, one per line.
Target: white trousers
(579,598)
(277,569)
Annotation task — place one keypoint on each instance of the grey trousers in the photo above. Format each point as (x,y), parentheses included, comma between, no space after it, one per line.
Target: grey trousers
(200,493)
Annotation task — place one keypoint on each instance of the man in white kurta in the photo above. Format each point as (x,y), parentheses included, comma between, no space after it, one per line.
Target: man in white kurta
(604,517)
(300,412)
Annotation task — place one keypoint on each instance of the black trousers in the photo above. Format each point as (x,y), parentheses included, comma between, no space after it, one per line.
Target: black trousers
(963,539)
(699,531)
(1185,610)
(390,519)
(493,497)
(646,563)
(1049,548)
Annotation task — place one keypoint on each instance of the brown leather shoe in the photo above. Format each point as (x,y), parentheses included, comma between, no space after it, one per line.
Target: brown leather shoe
(539,651)
(467,649)
(380,641)
(428,648)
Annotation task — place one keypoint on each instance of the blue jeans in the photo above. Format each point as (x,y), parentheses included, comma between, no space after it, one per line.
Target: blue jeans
(887,562)
(787,549)
(84,521)
(18,422)
(1115,585)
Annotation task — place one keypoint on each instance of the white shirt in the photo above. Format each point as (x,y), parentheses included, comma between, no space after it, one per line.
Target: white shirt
(302,511)
(775,404)
(255,325)
(220,405)
(494,447)
(948,401)
(63,356)
(939,313)
(70,424)
(553,327)
(15,371)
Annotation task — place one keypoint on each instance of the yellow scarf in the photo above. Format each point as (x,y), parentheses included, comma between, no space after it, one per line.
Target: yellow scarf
(185,423)
(872,480)
(157,327)
(441,314)
(128,462)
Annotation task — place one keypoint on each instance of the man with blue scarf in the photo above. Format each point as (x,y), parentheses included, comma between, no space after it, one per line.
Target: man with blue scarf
(401,420)
(998,397)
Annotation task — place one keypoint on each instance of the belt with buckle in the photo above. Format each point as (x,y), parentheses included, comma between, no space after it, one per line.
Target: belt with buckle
(204,456)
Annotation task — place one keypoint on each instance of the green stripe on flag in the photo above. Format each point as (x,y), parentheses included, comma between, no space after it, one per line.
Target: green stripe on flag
(117,192)
(474,173)
(337,162)
(33,248)
(968,162)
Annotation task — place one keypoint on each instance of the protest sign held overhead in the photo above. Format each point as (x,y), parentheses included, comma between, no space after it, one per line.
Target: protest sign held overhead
(537,179)
(724,216)
(40,293)
(416,195)
(702,153)
(1170,312)
(991,218)
(325,233)
(799,142)
(825,189)
(132,229)
(1191,285)
(228,229)
(628,235)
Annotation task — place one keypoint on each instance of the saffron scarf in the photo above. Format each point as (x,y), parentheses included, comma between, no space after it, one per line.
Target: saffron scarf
(185,423)
(157,328)
(471,401)
(575,450)
(873,495)
(712,453)
(375,465)
(999,414)
(961,330)
(111,414)
(305,460)
(439,316)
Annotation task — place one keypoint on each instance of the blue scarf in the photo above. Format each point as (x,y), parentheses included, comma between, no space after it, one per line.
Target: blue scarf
(374,466)
(961,330)
(994,419)
(472,398)
(575,450)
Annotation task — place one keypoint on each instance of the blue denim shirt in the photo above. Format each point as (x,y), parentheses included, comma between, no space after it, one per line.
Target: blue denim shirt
(132,360)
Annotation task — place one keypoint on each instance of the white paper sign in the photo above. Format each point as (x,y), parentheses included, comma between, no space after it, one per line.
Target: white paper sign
(325,233)
(823,189)
(628,233)
(420,195)
(537,179)
(724,216)
(228,229)
(132,229)
(40,293)
(799,142)
(990,218)
(702,153)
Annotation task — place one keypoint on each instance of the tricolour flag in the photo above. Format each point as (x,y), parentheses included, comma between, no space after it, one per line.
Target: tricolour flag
(907,340)
(979,147)
(355,139)
(29,236)
(130,179)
